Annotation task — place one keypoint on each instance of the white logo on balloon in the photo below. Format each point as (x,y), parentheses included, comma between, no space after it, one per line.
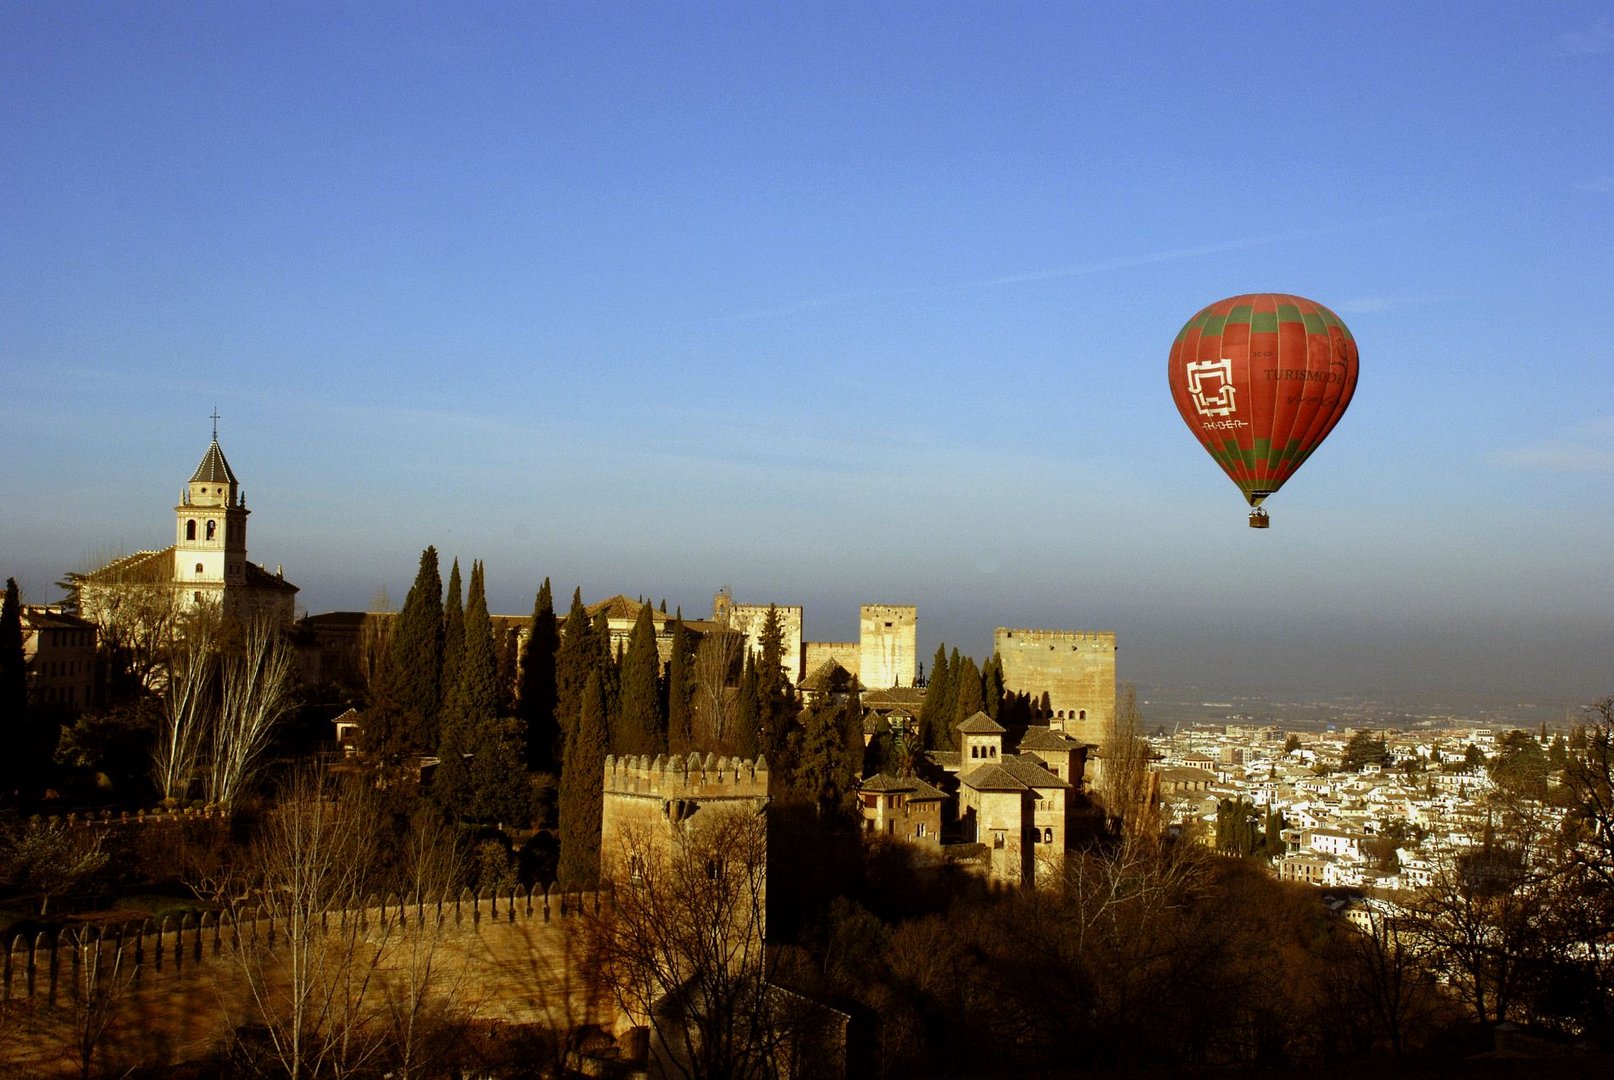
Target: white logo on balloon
(1211,384)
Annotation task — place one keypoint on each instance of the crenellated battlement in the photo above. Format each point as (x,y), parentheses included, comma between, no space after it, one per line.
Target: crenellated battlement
(1054,637)
(686,777)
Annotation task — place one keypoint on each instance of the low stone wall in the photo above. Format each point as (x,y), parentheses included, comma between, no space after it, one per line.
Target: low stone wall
(512,957)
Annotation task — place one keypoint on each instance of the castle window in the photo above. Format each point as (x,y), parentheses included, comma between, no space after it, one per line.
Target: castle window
(198,597)
(190,529)
(1083,715)
(198,569)
(211,526)
(1047,836)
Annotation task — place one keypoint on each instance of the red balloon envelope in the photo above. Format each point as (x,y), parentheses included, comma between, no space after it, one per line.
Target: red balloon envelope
(1261,380)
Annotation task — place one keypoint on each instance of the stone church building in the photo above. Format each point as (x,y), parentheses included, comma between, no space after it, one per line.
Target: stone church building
(207,563)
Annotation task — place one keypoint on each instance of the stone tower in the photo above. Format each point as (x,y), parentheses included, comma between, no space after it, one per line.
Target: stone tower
(887,655)
(1075,668)
(210,539)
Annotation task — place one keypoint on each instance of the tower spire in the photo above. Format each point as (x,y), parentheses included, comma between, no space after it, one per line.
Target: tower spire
(215,423)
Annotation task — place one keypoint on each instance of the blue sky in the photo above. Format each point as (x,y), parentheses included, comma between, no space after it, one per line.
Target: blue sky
(834,303)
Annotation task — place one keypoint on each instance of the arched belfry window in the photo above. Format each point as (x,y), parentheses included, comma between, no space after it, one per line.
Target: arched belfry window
(212,526)
(190,529)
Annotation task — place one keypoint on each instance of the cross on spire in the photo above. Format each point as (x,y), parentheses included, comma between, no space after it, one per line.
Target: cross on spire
(215,423)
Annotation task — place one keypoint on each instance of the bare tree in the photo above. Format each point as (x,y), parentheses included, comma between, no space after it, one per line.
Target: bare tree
(100,981)
(375,645)
(50,858)
(423,998)
(255,693)
(1130,799)
(188,704)
(681,949)
(1485,921)
(311,959)
(718,659)
(135,608)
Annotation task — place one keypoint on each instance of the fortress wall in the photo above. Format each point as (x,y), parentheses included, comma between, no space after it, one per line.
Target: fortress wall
(887,650)
(1076,668)
(749,619)
(650,796)
(513,957)
(819,653)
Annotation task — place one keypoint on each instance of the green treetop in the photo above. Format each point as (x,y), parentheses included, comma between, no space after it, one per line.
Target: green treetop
(747,737)
(777,706)
(536,702)
(582,784)
(453,633)
(417,652)
(641,725)
(576,657)
(968,699)
(680,691)
(937,711)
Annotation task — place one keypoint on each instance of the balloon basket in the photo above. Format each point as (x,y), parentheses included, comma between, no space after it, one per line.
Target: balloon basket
(1259,519)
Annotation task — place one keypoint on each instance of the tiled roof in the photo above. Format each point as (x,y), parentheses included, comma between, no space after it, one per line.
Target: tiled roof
(618,607)
(1030,773)
(917,789)
(213,469)
(830,675)
(259,578)
(143,567)
(981,724)
(1040,737)
(992,778)
(895,695)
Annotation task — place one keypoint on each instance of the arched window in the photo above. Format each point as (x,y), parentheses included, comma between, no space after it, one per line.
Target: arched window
(198,569)
(1083,715)
(190,529)
(211,526)
(1047,836)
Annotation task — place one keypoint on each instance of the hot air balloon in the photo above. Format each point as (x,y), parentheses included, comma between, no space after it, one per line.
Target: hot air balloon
(1261,380)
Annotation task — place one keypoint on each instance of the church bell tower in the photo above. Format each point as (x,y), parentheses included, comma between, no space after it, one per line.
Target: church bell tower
(210,546)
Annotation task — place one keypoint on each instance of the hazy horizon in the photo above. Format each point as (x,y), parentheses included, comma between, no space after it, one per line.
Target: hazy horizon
(834,303)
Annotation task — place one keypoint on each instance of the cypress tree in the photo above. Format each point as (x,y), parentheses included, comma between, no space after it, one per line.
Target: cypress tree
(479,678)
(778,709)
(14,719)
(937,711)
(417,653)
(824,770)
(472,703)
(640,726)
(13,662)
(537,701)
(453,633)
(500,788)
(575,659)
(992,685)
(968,700)
(582,786)
(747,738)
(680,690)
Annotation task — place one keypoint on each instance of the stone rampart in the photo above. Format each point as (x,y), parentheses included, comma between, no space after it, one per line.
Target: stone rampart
(511,957)
(1075,668)
(887,645)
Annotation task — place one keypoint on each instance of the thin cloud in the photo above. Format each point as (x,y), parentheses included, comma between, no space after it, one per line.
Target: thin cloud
(1373,304)
(1100,266)
(1588,448)
(1595,41)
